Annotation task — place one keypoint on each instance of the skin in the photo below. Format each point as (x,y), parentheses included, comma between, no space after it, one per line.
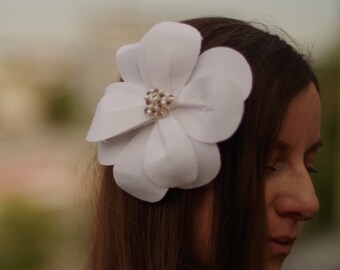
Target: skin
(289,193)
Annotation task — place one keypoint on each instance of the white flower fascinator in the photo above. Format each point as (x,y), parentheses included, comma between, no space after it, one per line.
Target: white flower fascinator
(159,128)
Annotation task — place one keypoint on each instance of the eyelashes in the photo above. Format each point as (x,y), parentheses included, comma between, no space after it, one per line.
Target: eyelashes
(271,168)
(312,170)
(275,168)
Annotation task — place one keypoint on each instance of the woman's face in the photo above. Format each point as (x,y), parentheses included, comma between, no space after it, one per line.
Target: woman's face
(289,194)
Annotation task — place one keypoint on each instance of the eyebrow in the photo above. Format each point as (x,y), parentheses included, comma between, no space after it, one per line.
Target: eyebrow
(315,146)
(282,145)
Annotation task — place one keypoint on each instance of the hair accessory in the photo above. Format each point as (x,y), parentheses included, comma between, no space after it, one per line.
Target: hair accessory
(159,128)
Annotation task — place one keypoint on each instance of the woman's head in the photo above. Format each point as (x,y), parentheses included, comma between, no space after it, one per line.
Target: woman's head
(281,75)
(236,214)
(289,195)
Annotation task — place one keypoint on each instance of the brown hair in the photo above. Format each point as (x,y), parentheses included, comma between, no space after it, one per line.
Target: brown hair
(133,234)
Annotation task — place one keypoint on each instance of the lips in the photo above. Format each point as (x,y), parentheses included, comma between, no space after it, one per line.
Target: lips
(281,245)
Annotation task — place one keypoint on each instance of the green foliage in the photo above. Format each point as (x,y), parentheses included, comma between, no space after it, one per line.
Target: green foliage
(27,235)
(61,105)
(329,76)
(36,237)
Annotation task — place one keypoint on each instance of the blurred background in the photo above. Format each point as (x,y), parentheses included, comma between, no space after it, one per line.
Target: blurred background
(57,57)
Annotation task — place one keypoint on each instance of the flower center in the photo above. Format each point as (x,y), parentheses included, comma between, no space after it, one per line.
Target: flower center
(157,102)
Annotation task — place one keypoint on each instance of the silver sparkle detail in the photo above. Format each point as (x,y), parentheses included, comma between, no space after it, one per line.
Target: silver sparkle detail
(157,103)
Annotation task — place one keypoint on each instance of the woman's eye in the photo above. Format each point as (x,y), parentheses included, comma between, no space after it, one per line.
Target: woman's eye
(312,170)
(271,168)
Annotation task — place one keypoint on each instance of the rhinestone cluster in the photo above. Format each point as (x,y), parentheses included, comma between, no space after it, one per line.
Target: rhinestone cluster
(157,102)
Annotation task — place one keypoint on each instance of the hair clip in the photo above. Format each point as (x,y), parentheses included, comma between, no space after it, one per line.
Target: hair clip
(159,127)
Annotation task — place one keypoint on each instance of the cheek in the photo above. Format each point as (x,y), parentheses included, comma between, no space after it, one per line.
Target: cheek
(269,196)
(280,184)
(277,185)
(273,186)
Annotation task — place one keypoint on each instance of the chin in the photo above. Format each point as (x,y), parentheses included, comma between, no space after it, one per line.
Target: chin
(275,262)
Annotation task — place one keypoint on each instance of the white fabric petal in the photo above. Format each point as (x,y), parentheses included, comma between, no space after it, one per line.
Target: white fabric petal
(225,63)
(108,150)
(127,88)
(169,158)
(209,163)
(119,111)
(126,58)
(149,154)
(209,109)
(167,55)
(129,171)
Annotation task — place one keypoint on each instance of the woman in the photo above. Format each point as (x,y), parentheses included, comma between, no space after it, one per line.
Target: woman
(251,212)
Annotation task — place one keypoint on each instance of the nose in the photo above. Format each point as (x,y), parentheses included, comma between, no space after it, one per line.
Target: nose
(298,199)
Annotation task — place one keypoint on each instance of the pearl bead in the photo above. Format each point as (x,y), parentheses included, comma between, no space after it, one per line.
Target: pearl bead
(157,102)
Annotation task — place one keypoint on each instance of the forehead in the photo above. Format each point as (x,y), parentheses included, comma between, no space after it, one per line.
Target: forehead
(301,123)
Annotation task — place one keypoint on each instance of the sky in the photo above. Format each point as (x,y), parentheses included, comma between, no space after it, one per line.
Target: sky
(313,23)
